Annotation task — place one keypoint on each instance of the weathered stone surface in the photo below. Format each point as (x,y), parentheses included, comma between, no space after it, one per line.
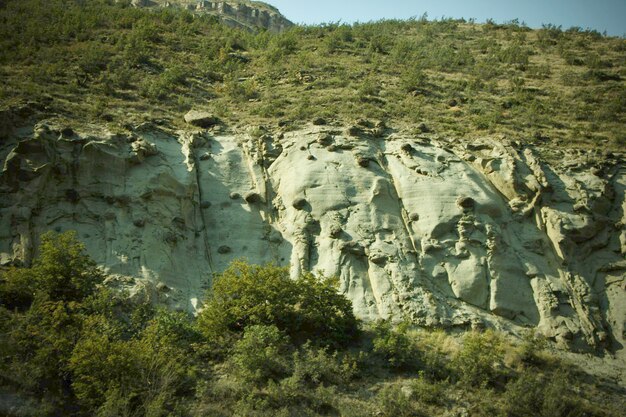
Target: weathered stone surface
(465,202)
(252,197)
(299,203)
(224,250)
(201,118)
(528,244)
(236,13)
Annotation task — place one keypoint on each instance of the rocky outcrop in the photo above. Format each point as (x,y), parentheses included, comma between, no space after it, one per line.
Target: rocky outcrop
(442,233)
(200,119)
(250,15)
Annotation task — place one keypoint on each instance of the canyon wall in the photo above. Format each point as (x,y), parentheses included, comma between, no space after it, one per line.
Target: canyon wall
(443,233)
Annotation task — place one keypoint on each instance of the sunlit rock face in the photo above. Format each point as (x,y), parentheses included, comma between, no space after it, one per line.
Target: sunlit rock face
(442,233)
(251,15)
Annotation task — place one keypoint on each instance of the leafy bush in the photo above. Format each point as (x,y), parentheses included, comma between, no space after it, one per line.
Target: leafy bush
(414,79)
(307,308)
(395,346)
(479,360)
(241,90)
(16,291)
(148,372)
(428,392)
(261,355)
(41,341)
(531,348)
(545,396)
(63,271)
(79,348)
(395,402)
(314,366)
(282,45)
(515,54)
(436,348)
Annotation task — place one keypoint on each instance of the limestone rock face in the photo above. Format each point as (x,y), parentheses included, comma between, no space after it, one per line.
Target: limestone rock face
(251,15)
(444,234)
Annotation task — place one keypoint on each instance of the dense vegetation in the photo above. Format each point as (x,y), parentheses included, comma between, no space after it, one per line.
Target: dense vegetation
(103,60)
(263,345)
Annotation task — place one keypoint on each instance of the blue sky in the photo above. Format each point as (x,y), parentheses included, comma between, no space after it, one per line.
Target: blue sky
(601,15)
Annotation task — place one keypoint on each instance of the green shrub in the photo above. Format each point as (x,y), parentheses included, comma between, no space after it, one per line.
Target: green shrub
(516,55)
(413,79)
(241,90)
(428,392)
(543,395)
(16,290)
(93,58)
(171,327)
(435,347)
(150,369)
(395,402)
(486,69)
(282,45)
(395,346)
(307,308)
(61,272)
(83,349)
(262,354)
(531,348)
(159,88)
(478,362)
(42,341)
(314,366)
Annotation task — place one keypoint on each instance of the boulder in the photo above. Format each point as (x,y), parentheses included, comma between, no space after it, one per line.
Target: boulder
(201,119)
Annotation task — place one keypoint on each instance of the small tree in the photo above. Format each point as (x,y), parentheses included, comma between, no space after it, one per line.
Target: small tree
(51,292)
(308,308)
(63,271)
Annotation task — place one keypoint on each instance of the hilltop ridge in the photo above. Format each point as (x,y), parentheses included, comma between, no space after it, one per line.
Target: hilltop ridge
(250,15)
(104,61)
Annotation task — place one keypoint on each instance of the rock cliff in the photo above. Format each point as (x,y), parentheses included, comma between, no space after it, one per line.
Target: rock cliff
(444,233)
(250,15)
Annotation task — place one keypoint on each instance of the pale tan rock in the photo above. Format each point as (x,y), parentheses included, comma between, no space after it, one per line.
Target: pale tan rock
(444,236)
(236,13)
(201,118)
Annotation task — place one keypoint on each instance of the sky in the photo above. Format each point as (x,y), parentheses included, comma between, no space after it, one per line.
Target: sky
(601,15)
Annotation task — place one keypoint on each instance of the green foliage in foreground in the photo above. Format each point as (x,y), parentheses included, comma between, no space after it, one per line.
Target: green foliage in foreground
(308,308)
(72,347)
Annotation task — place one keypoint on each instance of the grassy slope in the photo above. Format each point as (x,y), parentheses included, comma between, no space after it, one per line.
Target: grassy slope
(118,64)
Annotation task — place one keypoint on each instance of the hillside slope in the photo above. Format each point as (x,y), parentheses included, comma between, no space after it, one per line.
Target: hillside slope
(115,65)
(448,172)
